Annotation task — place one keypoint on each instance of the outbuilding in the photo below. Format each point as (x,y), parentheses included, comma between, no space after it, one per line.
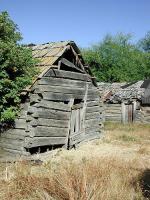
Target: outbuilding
(122,101)
(62,107)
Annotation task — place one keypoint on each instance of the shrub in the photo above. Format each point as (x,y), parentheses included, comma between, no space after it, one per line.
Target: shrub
(17,68)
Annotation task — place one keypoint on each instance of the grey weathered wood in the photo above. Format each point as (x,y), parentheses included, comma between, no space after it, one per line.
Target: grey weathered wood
(72,122)
(43,141)
(13,136)
(92,122)
(113,105)
(52,123)
(77,136)
(93,109)
(93,103)
(65,97)
(71,65)
(51,114)
(12,143)
(44,131)
(94,115)
(53,105)
(16,132)
(55,73)
(20,123)
(65,90)
(34,98)
(62,82)
(84,137)
(113,108)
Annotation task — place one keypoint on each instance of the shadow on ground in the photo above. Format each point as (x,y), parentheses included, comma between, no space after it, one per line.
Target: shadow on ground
(144,181)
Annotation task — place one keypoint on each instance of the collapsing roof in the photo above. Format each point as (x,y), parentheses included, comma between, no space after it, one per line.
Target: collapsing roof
(51,55)
(62,106)
(118,92)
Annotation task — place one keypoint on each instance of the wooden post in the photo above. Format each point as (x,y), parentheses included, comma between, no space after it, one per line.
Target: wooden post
(123,112)
(134,110)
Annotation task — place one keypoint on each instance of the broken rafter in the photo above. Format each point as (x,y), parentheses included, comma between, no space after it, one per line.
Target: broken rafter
(71,65)
(77,59)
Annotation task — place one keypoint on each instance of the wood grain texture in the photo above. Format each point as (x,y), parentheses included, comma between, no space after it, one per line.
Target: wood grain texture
(43,141)
(45,131)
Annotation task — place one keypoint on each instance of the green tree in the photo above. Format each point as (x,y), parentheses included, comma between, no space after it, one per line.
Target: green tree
(144,43)
(116,59)
(17,68)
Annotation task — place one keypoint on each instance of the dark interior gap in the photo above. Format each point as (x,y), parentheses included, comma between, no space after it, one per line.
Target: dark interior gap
(43,149)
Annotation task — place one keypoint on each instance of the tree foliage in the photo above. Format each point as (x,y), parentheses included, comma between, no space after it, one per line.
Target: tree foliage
(144,43)
(16,68)
(116,59)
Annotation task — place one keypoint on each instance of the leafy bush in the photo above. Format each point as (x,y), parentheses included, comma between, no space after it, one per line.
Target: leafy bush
(115,59)
(17,68)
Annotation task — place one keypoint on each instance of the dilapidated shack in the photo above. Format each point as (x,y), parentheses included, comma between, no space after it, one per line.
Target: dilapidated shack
(122,101)
(62,107)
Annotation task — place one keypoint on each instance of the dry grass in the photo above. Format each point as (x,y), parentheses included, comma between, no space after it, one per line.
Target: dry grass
(114,168)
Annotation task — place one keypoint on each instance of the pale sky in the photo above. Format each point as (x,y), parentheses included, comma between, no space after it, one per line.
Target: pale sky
(84,21)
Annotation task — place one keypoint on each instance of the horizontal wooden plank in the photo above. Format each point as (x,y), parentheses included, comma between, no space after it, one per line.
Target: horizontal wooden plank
(64,90)
(84,137)
(113,109)
(12,144)
(51,123)
(112,105)
(113,119)
(16,132)
(13,136)
(71,66)
(93,129)
(93,109)
(53,105)
(63,82)
(94,115)
(66,97)
(77,136)
(68,75)
(20,123)
(113,115)
(35,98)
(44,131)
(43,141)
(93,103)
(51,114)
(92,122)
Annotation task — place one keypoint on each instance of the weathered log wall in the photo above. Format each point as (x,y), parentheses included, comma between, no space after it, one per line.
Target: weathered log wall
(113,112)
(45,119)
(145,114)
(119,113)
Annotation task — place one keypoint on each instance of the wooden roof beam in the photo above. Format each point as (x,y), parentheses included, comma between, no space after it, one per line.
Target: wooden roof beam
(77,59)
(71,65)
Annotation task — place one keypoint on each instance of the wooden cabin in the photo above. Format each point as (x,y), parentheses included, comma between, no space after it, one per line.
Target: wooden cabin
(122,102)
(62,106)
